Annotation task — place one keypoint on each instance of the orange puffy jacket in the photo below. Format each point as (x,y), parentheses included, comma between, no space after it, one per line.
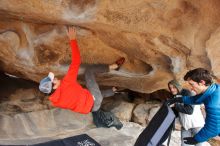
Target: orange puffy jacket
(70,94)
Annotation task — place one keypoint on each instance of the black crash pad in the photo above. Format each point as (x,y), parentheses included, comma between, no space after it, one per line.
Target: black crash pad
(79,140)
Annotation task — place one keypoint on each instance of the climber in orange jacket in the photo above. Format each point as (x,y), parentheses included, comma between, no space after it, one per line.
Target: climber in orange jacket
(69,94)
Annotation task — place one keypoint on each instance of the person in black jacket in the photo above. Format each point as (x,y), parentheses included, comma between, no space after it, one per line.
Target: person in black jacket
(177,91)
(190,116)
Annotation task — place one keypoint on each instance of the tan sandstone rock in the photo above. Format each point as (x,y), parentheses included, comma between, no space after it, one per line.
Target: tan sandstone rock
(160,40)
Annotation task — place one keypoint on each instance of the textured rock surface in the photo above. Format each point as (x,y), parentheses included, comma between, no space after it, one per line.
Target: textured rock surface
(160,39)
(121,108)
(143,113)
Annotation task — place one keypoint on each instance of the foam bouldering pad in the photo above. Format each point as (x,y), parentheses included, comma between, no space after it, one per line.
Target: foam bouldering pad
(79,140)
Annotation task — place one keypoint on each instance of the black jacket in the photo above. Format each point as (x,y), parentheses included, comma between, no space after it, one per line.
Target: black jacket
(184,108)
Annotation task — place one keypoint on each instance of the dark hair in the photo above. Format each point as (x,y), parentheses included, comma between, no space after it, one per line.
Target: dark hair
(199,74)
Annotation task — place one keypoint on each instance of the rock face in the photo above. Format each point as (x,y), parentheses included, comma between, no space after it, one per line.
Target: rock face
(160,40)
